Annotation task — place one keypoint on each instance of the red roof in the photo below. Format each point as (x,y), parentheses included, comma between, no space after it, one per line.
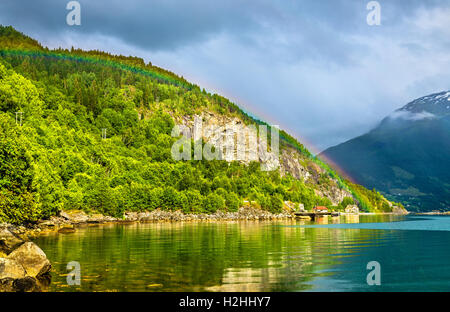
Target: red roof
(320,208)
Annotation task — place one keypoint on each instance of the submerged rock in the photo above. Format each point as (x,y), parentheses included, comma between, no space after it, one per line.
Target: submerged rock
(47,223)
(6,285)
(32,259)
(25,284)
(67,230)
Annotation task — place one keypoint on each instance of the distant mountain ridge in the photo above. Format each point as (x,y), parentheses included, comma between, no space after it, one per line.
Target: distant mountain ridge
(406,156)
(437,103)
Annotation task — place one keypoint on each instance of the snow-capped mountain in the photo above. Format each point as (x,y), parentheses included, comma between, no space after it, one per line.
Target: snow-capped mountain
(407,156)
(437,104)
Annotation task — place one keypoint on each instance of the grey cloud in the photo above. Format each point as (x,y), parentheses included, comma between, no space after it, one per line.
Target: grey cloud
(169,24)
(154,25)
(315,67)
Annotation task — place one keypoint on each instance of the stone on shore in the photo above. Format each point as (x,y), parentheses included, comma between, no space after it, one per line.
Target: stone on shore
(64,215)
(11,269)
(8,242)
(244,213)
(78,217)
(96,218)
(32,259)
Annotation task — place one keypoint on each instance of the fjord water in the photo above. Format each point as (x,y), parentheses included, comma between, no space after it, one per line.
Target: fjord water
(328,255)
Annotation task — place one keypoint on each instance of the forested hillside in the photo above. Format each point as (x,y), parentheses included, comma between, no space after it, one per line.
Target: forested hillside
(53,156)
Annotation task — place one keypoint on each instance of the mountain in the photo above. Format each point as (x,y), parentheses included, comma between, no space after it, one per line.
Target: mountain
(94,133)
(407,156)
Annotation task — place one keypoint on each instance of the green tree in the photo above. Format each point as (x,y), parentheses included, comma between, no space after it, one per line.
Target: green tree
(213,202)
(18,199)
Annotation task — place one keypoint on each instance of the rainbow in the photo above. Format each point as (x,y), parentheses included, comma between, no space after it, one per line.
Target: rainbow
(97,60)
(164,77)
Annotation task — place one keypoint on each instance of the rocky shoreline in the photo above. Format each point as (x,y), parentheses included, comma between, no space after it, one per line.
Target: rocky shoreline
(68,221)
(24,267)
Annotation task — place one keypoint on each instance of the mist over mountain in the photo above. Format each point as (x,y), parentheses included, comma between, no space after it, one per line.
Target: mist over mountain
(407,156)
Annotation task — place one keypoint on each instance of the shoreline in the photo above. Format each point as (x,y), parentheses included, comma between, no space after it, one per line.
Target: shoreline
(433,213)
(24,267)
(68,221)
(19,238)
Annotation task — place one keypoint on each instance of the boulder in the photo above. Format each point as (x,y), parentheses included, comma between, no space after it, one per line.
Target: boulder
(43,282)
(64,215)
(131,216)
(8,242)
(25,284)
(80,217)
(11,269)
(74,216)
(47,223)
(32,259)
(96,218)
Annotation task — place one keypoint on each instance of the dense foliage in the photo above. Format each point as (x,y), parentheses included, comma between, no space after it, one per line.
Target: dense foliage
(57,159)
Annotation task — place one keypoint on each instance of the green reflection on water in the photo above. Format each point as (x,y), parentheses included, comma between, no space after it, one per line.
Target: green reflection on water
(216,256)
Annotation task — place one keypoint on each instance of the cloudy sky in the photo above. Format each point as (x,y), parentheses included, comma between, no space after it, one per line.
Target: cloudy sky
(316,68)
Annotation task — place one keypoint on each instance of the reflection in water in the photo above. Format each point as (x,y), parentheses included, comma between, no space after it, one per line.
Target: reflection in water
(351,218)
(335,220)
(43,282)
(322,220)
(240,256)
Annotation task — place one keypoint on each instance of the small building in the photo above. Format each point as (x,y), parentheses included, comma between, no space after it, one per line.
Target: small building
(352,209)
(320,209)
(301,208)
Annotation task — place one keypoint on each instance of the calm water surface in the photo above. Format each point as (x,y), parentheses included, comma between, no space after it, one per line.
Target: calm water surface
(328,255)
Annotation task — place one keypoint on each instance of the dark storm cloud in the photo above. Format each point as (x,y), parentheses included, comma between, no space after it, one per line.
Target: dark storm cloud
(156,25)
(168,24)
(314,66)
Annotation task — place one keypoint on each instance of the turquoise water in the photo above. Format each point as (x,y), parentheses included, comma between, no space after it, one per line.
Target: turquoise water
(328,255)
(414,223)
(414,255)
